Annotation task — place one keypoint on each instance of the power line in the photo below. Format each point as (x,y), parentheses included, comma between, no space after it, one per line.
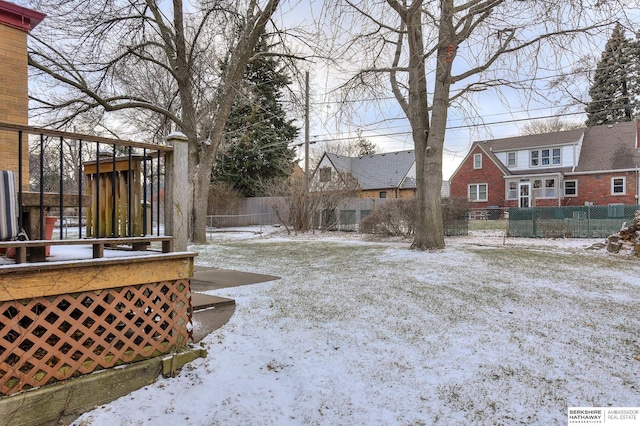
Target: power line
(465,126)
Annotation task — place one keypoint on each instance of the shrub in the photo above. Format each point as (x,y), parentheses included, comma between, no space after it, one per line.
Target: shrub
(393,218)
(398,218)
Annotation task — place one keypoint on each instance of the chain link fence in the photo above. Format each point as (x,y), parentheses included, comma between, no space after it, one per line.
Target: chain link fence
(259,211)
(569,222)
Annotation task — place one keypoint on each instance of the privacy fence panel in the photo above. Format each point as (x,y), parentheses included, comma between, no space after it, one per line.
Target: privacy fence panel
(247,212)
(569,222)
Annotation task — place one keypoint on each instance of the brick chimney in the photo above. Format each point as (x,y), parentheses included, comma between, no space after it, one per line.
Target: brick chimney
(15,22)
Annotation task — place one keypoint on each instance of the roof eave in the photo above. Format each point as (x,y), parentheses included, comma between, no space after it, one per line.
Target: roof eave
(19,17)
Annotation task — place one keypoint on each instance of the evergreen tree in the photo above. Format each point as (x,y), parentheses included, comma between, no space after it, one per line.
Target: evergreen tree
(258,131)
(364,145)
(612,91)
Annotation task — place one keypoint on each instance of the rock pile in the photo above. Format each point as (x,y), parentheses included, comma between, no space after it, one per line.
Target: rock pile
(627,241)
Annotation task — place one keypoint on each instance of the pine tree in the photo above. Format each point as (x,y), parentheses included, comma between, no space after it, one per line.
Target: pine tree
(258,130)
(364,145)
(612,97)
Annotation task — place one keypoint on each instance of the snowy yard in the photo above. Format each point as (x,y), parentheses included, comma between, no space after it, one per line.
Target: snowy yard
(364,332)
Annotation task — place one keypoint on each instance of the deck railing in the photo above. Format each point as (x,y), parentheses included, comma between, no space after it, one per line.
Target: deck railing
(105,156)
(65,318)
(117,186)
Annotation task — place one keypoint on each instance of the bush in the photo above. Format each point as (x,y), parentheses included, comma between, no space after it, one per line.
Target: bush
(223,198)
(393,218)
(398,218)
(454,209)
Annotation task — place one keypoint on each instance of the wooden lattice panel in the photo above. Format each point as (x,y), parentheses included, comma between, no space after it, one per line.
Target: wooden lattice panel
(48,339)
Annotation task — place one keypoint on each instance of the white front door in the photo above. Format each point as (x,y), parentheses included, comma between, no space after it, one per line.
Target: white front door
(524,191)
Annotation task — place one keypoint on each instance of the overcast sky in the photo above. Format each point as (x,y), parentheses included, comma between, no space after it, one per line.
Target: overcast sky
(503,112)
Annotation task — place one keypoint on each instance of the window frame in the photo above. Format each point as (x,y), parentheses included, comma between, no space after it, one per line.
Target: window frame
(534,160)
(325,174)
(477,192)
(540,186)
(382,194)
(477,161)
(515,159)
(575,188)
(545,157)
(623,184)
(553,188)
(509,190)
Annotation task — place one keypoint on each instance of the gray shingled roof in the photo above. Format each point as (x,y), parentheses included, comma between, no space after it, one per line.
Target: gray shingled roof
(603,147)
(376,171)
(609,148)
(533,141)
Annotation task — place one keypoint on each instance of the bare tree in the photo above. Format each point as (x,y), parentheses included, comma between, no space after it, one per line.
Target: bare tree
(56,160)
(292,204)
(424,49)
(161,61)
(333,196)
(297,207)
(550,125)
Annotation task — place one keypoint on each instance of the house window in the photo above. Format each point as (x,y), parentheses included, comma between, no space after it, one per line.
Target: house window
(512,159)
(383,194)
(478,192)
(537,188)
(570,188)
(325,174)
(512,193)
(544,188)
(546,157)
(535,158)
(618,186)
(477,161)
(550,188)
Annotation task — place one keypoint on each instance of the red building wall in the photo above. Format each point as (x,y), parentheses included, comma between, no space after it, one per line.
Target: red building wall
(489,174)
(596,189)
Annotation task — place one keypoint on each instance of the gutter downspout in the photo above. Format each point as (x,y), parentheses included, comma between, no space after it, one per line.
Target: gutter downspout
(637,196)
(560,188)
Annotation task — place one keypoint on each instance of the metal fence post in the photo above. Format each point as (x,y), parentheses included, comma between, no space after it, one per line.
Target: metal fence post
(176,191)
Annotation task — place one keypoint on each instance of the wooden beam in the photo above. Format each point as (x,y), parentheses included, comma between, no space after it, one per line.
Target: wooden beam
(52,199)
(28,281)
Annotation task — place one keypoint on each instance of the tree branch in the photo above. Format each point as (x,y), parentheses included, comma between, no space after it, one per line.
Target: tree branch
(503,49)
(395,88)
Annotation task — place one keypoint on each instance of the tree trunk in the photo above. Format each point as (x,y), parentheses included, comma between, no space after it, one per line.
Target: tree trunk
(430,227)
(201,184)
(429,231)
(234,73)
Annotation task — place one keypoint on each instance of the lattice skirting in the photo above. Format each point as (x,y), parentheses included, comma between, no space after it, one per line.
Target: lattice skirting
(49,339)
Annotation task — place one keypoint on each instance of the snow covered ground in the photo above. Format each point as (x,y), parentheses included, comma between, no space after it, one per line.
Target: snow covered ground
(359,332)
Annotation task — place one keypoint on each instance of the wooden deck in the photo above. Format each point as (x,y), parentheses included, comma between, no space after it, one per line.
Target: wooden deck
(34,250)
(71,316)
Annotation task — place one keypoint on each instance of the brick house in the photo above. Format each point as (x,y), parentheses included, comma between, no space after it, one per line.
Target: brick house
(387,175)
(598,165)
(15,23)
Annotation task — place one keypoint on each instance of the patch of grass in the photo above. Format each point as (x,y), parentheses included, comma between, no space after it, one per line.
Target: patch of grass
(487,225)
(496,334)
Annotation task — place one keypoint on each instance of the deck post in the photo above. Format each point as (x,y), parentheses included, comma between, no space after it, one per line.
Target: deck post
(176,195)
